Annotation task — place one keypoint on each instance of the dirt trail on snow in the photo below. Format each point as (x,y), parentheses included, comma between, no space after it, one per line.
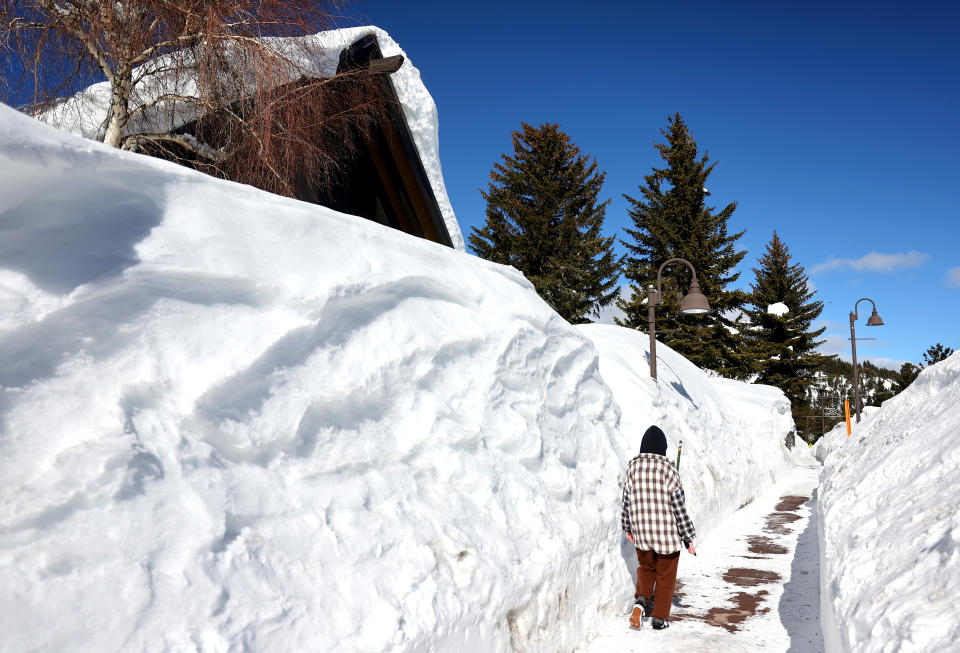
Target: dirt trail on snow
(746,604)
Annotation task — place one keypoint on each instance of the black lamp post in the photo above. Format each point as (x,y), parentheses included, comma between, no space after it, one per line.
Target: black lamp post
(873,320)
(694,303)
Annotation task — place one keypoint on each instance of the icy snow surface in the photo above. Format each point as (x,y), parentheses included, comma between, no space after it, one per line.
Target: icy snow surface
(236,421)
(890,521)
(85,114)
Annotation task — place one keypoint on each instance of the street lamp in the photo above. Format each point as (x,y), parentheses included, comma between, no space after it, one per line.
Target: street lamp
(873,320)
(694,303)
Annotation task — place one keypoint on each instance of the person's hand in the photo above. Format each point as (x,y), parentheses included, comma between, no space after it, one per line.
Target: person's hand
(691,549)
(630,538)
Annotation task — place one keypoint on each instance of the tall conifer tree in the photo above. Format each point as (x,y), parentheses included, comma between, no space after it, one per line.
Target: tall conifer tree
(671,219)
(785,342)
(936,353)
(544,218)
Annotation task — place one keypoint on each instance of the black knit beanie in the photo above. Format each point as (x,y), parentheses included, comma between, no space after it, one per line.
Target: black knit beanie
(654,441)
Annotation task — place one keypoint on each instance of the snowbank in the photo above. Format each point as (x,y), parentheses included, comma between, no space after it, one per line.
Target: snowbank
(835,437)
(733,432)
(230,420)
(236,421)
(890,522)
(85,114)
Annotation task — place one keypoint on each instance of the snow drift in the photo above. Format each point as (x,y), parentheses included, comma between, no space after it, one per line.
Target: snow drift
(890,521)
(723,424)
(236,421)
(233,420)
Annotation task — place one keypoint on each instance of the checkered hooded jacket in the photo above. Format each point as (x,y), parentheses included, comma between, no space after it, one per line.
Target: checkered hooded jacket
(654,511)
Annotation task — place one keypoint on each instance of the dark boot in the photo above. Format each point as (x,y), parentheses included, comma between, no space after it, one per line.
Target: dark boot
(647,605)
(660,624)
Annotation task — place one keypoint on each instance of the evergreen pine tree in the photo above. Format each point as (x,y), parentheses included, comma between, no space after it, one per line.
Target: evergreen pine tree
(907,374)
(671,219)
(785,344)
(936,353)
(544,218)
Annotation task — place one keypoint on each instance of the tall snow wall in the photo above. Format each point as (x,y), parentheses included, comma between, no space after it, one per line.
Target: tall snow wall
(732,433)
(231,420)
(236,421)
(890,522)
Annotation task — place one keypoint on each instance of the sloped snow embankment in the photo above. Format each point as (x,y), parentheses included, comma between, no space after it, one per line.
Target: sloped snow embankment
(733,432)
(232,420)
(890,522)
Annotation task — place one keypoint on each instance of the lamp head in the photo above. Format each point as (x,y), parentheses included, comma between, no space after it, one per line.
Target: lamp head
(874,320)
(695,302)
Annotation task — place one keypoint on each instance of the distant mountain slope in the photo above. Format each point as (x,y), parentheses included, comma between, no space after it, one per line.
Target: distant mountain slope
(834,384)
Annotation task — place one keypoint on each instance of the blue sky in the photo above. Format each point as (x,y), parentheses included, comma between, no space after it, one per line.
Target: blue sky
(834,123)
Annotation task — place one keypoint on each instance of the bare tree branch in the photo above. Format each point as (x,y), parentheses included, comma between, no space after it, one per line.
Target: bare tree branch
(208,70)
(135,142)
(180,41)
(171,97)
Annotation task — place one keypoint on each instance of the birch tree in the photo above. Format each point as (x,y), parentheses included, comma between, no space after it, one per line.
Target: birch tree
(259,112)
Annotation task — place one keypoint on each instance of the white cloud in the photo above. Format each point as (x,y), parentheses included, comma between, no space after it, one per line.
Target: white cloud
(952,279)
(835,343)
(735,315)
(887,363)
(831,325)
(879,361)
(873,262)
(611,311)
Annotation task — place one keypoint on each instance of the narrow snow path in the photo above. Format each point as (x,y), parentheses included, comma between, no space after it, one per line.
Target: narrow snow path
(753,586)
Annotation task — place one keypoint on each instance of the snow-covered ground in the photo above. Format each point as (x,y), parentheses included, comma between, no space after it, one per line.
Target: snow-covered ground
(752,587)
(236,421)
(723,424)
(733,452)
(890,522)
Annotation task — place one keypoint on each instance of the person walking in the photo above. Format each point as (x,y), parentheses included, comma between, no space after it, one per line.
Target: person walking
(654,519)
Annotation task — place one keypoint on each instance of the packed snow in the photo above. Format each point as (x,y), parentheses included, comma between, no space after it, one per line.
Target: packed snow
(85,114)
(232,420)
(722,423)
(890,522)
(236,420)
(753,585)
(733,455)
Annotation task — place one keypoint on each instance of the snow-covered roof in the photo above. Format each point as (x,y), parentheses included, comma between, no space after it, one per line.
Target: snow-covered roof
(85,113)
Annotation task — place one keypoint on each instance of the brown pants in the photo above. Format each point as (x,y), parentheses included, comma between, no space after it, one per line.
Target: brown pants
(662,570)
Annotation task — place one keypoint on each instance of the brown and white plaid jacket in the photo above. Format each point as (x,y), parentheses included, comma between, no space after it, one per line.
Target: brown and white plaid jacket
(653,505)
